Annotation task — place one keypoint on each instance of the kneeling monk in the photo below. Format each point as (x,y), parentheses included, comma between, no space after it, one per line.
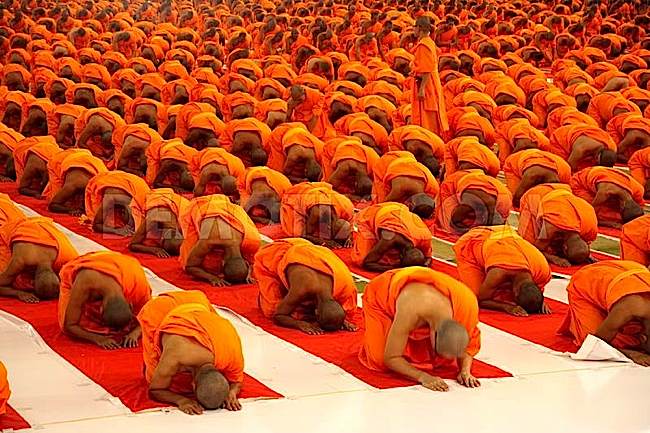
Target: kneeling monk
(220,240)
(506,272)
(611,300)
(168,165)
(558,223)
(635,240)
(101,293)
(305,287)
(30,160)
(33,251)
(390,236)
(181,333)
(415,316)
(314,211)
(261,190)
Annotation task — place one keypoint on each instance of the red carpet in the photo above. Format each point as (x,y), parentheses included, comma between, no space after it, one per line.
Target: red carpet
(608,231)
(340,349)
(12,420)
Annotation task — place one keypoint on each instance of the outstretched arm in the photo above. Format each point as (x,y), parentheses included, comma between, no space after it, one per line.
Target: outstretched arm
(371,262)
(579,153)
(194,265)
(66,193)
(161,381)
(286,308)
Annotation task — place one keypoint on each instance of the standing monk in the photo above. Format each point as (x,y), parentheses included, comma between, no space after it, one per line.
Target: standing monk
(428,101)
(305,287)
(416,315)
(611,300)
(101,293)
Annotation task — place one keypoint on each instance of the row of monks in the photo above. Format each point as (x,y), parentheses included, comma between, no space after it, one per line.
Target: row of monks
(184,126)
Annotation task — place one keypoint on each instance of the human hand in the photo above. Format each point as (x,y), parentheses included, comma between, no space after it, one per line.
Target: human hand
(516,310)
(232,402)
(190,407)
(433,383)
(162,253)
(29,298)
(131,340)
(349,326)
(310,329)
(218,282)
(466,379)
(546,309)
(108,343)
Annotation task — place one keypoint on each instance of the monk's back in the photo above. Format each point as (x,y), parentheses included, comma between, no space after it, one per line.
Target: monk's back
(423,300)
(186,350)
(219,228)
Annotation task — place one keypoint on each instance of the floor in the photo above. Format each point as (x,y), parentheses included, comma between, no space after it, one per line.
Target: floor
(548,390)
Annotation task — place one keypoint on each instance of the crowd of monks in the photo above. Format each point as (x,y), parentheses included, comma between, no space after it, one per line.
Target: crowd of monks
(184,126)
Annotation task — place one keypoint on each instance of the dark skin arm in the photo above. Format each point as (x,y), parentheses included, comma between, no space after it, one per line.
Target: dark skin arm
(162,380)
(100,227)
(195,261)
(387,241)
(65,194)
(622,313)
(15,266)
(137,244)
(494,278)
(285,309)
(585,151)
(402,188)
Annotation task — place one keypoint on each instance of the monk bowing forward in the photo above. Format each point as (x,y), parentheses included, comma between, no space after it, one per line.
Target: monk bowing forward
(408,312)
(305,287)
(101,293)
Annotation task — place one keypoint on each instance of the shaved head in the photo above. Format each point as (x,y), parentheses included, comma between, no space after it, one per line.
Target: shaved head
(577,250)
(117,313)
(451,339)
(530,298)
(46,284)
(228,185)
(413,257)
(235,270)
(330,315)
(211,387)
(607,158)
(422,205)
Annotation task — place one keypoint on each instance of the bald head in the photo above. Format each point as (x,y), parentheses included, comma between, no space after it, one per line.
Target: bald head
(607,158)
(412,256)
(228,185)
(421,204)
(577,250)
(211,387)
(117,313)
(46,284)
(235,270)
(451,339)
(330,315)
(530,298)
(297,93)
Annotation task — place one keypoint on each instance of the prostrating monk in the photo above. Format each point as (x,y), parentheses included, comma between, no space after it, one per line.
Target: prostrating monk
(297,154)
(215,171)
(631,133)
(8,210)
(247,139)
(523,170)
(261,190)
(314,211)
(159,232)
(518,134)
(181,333)
(467,153)
(427,98)
(32,251)
(415,316)
(611,300)
(5,392)
(30,161)
(616,196)
(305,287)
(558,223)
(639,165)
(505,271)
(108,201)
(131,142)
(470,198)
(101,294)
(350,167)
(93,130)
(635,240)
(583,146)
(304,105)
(389,236)
(8,141)
(220,241)
(168,165)
(427,147)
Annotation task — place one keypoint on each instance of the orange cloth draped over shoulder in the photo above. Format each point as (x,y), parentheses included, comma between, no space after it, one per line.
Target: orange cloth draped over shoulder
(159,151)
(585,183)
(403,167)
(469,149)
(41,147)
(516,165)
(219,156)
(217,206)
(508,132)
(8,210)
(563,138)
(399,136)
(294,136)
(337,150)
(299,199)
(277,181)
(152,315)
(61,163)
(273,260)
(555,204)
(131,184)
(311,107)
(393,217)
(39,231)
(428,112)
(162,198)
(125,270)
(635,240)
(380,306)
(453,187)
(639,165)
(485,248)
(250,124)
(594,290)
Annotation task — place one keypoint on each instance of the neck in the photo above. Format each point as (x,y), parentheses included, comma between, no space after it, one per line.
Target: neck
(520,279)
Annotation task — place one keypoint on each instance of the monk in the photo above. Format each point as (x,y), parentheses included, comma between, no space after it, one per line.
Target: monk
(130,142)
(630,133)
(616,196)
(30,162)
(8,210)
(298,154)
(389,236)
(427,147)
(182,333)
(32,252)
(350,168)
(94,131)
(261,190)
(558,223)
(304,105)
(108,201)
(583,146)
(314,211)
(639,165)
(220,241)
(101,294)
(159,231)
(470,198)
(215,171)
(416,316)
(168,165)
(305,287)
(506,272)
(523,170)
(611,300)
(247,139)
(635,240)
(428,100)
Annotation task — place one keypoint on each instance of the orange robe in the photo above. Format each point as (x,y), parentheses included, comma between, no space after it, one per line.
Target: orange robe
(5,392)
(362,123)
(219,156)
(639,165)
(453,187)
(635,240)
(563,139)
(273,260)
(291,137)
(217,206)
(554,203)
(469,149)
(161,198)
(152,315)
(139,131)
(620,125)
(131,184)
(125,270)
(508,132)
(602,107)
(399,136)
(244,125)
(41,147)
(595,289)
(186,114)
(380,305)
(428,112)
(485,248)
(277,181)
(403,167)
(8,210)
(159,151)
(311,107)
(298,200)
(516,165)
(80,124)
(59,165)
(336,151)
(393,217)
